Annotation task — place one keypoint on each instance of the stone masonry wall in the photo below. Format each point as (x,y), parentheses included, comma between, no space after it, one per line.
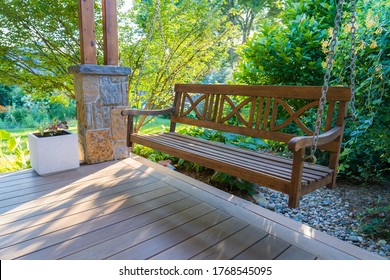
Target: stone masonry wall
(101,94)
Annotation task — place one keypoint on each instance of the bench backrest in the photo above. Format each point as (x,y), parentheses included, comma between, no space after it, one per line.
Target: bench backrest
(268,112)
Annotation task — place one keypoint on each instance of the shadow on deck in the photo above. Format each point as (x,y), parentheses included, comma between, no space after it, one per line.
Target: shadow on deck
(136,209)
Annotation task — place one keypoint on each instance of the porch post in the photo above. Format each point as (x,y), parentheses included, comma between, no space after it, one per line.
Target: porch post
(110,32)
(101,90)
(87,32)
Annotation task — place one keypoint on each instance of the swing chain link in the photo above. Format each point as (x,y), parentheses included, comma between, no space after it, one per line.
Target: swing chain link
(353,58)
(325,87)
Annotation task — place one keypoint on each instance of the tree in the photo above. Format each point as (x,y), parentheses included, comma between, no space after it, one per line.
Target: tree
(172,42)
(289,52)
(246,13)
(367,139)
(294,53)
(39,40)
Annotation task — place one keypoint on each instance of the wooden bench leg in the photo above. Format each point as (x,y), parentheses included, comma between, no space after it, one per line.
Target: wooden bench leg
(334,163)
(296,180)
(293,201)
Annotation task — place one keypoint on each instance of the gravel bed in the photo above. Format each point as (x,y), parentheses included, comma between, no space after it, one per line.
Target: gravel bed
(335,212)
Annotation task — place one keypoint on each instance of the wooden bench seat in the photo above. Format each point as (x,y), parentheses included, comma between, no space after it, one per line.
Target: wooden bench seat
(255,112)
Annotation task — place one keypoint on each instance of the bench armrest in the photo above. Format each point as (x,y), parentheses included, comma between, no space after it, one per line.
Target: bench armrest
(134,112)
(301,142)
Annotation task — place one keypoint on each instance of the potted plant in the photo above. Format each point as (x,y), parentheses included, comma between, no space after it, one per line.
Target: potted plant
(53,149)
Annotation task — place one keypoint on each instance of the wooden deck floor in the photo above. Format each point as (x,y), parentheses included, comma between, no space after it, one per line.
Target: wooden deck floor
(135,209)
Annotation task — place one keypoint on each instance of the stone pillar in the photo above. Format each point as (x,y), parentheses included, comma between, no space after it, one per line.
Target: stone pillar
(101,94)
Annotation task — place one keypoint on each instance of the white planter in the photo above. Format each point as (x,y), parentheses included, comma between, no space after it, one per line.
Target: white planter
(53,154)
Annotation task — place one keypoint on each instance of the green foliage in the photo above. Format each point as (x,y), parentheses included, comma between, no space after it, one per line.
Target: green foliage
(13,156)
(376,222)
(367,140)
(151,154)
(294,52)
(182,44)
(232,183)
(246,13)
(32,113)
(228,138)
(289,52)
(38,42)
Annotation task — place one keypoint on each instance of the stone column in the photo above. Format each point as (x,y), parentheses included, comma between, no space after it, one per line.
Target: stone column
(101,94)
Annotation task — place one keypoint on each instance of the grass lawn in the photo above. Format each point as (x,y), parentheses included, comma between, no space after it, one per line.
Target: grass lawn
(154,126)
(157,125)
(23,132)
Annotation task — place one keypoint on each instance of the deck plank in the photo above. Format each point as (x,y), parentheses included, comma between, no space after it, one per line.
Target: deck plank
(144,214)
(22,243)
(17,204)
(163,241)
(193,246)
(266,249)
(294,253)
(233,245)
(78,174)
(131,239)
(114,195)
(135,209)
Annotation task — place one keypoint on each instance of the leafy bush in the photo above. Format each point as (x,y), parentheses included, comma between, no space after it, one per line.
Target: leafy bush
(376,222)
(29,113)
(289,53)
(13,156)
(294,52)
(367,140)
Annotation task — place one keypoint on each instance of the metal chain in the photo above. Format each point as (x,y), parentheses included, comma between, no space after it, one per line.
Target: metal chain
(353,58)
(325,87)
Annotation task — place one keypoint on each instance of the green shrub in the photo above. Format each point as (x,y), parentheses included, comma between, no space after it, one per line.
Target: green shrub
(13,156)
(367,140)
(376,222)
(294,53)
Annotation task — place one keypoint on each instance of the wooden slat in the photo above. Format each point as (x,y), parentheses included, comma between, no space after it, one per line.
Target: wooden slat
(243,159)
(266,249)
(294,253)
(64,200)
(329,117)
(19,203)
(271,135)
(54,185)
(299,92)
(233,245)
(249,175)
(129,242)
(110,219)
(77,174)
(59,232)
(193,246)
(259,112)
(266,113)
(309,169)
(69,207)
(14,176)
(69,225)
(145,214)
(163,241)
(224,157)
(312,171)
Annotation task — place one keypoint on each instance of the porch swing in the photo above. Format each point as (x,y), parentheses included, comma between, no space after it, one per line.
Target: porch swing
(258,114)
